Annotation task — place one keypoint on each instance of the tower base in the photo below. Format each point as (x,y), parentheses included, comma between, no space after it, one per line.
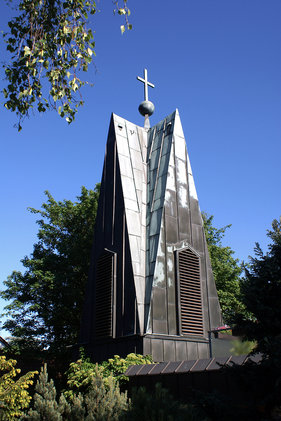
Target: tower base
(160,347)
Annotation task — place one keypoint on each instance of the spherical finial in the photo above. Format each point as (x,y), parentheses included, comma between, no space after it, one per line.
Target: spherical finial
(146,108)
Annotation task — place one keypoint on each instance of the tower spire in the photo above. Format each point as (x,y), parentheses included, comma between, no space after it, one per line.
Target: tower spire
(146,107)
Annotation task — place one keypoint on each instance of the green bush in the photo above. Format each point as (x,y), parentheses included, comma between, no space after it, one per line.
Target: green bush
(160,406)
(81,372)
(101,400)
(117,366)
(14,396)
(45,406)
(240,347)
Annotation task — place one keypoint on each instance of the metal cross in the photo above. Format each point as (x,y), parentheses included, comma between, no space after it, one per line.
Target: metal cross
(146,84)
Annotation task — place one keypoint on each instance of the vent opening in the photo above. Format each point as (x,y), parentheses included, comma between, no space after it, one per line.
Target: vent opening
(189,284)
(104,295)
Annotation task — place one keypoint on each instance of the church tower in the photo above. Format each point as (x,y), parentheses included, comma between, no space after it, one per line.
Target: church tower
(151,288)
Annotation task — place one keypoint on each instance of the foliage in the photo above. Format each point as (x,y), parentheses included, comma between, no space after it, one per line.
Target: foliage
(160,406)
(222,407)
(73,410)
(45,405)
(82,371)
(79,376)
(47,298)
(117,366)
(262,296)
(226,270)
(261,292)
(101,401)
(14,396)
(50,40)
(242,347)
(104,401)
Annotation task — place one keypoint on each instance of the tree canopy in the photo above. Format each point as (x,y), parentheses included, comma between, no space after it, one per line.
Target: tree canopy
(46,299)
(261,292)
(51,41)
(226,270)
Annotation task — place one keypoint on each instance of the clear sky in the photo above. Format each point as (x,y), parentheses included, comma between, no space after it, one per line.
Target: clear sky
(217,61)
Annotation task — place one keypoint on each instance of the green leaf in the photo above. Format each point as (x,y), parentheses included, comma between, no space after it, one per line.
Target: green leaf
(60,45)
(27,51)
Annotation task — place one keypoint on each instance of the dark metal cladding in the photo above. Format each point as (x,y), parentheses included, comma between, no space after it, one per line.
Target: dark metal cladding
(151,288)
(181,353)
(217,363)
(158,368)
(135,369)
(146,369)
(169,350)
(201,365)
(171,367)
(257,358)
(239,360)
(185,366)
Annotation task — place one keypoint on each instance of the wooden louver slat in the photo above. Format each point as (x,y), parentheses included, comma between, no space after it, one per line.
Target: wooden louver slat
(104,295)
(190,293)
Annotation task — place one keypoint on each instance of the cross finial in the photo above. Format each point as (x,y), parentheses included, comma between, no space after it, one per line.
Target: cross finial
(146,108)
(146,84)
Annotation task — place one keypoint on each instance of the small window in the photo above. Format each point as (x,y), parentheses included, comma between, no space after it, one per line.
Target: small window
(189,287)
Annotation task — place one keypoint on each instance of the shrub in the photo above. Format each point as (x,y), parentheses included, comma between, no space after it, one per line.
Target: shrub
(45,404)
(101,400)
(117,366)
(160,406)
(240,347)
(14,396)
(81,372)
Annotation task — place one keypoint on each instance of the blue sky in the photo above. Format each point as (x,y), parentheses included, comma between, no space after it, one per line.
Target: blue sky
(217,61)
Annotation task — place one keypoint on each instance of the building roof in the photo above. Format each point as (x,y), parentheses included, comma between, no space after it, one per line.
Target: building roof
(180,367)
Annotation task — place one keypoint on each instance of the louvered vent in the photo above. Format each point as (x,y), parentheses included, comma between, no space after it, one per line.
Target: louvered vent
(104,294)
(190,293)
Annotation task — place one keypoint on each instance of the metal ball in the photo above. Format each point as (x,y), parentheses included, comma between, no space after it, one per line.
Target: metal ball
(146,108)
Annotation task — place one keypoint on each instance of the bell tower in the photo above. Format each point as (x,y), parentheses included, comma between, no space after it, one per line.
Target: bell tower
(151,288)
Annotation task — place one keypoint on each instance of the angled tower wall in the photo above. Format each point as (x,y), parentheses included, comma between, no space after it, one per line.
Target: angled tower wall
(151,288)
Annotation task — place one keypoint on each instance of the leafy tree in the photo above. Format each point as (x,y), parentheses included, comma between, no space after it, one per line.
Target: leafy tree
(14,396)
(47,298)
(261,294)
(226,270)
(50,40)
(261,291)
